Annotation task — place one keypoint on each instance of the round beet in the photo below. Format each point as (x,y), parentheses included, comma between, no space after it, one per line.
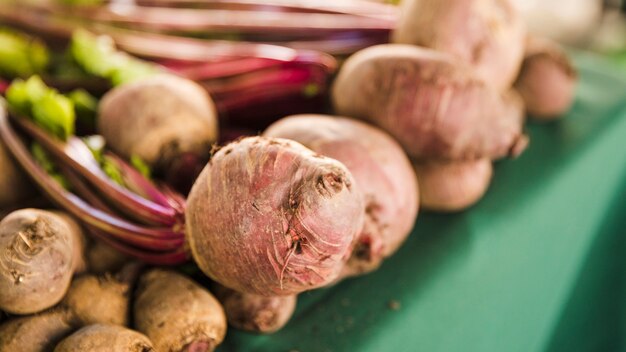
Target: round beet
(177,314)
(254,313)
(270,217)
(381,170)
(487,34)
(162,119)
(431,103)
(105,338)
(35,333)
(37,260)
(98,300)
(547,81)
(448,187)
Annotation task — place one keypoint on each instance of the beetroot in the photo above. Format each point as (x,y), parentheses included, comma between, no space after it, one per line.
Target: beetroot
(452,186)
(381,171)
(98,300)
(487,34)
(254,313)
(270,217)
(163,120)
(35,333)
(547,81)
(105,338)
(177,314)
(431,103)
(37,260)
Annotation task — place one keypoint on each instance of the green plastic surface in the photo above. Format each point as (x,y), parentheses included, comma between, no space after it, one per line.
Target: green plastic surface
(537,265)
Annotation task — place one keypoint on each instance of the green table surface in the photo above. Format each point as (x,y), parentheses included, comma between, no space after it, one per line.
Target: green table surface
(538,265)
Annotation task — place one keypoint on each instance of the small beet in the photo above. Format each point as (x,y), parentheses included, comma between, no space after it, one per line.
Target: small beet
(159,119)
(487,34)
(105,338)
(37,260)
(433,104)
(547,81)
(35,333)
(254,313)
(452,186)
(98,300)
(177,314)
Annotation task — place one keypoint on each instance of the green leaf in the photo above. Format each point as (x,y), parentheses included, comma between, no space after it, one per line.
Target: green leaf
(111,170)
(21,55)
(41,156)
(45,106)
(21,94)
(131,70)
(17,97)
(44,160)
(85,106)
(141,166)
(311,90)
(92,53)
(54,113)
(35,87)
(98,56)
(96,144)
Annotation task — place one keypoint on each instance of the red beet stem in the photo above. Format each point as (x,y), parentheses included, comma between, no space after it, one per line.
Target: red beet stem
(138,183)
(83,190)
(153,238)
(353,7)
(253,89)
(220,20)
(77,155)
(175,257)
(3,85)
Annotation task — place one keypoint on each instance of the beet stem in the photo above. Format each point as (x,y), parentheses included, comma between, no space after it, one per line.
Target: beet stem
(77,155)
(175,257)
(153,238)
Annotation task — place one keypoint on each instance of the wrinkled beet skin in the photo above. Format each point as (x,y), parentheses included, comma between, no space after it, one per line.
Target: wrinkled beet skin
(174,311)
(37,260)
(547,81)
(487,34)
(432,104)
(454,186)
(268,216)
(381,170)
(98,300)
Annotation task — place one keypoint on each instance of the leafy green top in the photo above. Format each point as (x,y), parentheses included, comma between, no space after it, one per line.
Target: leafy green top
(98,56)
(48,108)
(21,55)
